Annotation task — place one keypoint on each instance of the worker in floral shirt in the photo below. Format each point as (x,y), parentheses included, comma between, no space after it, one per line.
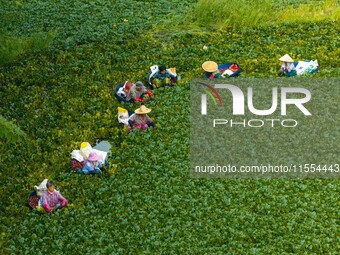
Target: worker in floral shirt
(140,119)
(52,200)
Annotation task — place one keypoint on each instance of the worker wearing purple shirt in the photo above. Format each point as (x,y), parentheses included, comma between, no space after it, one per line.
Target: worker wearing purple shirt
(52,200)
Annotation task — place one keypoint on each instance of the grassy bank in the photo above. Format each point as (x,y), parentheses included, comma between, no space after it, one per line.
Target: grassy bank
(221,15)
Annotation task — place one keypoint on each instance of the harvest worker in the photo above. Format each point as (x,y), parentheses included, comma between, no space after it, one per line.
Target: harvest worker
(210,70)
(161,77)
(287,67)
(137,91)
(140,119)
(91,164)
(52,200)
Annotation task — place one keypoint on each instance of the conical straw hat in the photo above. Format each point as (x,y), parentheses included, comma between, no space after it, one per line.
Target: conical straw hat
(142,110)
(286,58)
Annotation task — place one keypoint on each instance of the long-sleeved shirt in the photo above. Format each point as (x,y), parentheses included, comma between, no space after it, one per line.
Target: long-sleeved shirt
(158,75)
(140,119)
(52,199)
(89,167)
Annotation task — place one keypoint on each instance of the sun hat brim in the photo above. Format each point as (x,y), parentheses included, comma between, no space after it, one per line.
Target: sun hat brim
(142,110)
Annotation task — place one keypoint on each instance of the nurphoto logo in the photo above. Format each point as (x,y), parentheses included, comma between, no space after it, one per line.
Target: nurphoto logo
(238,105)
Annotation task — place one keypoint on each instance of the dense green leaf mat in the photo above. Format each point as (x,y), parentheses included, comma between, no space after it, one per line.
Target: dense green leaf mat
(63,95)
